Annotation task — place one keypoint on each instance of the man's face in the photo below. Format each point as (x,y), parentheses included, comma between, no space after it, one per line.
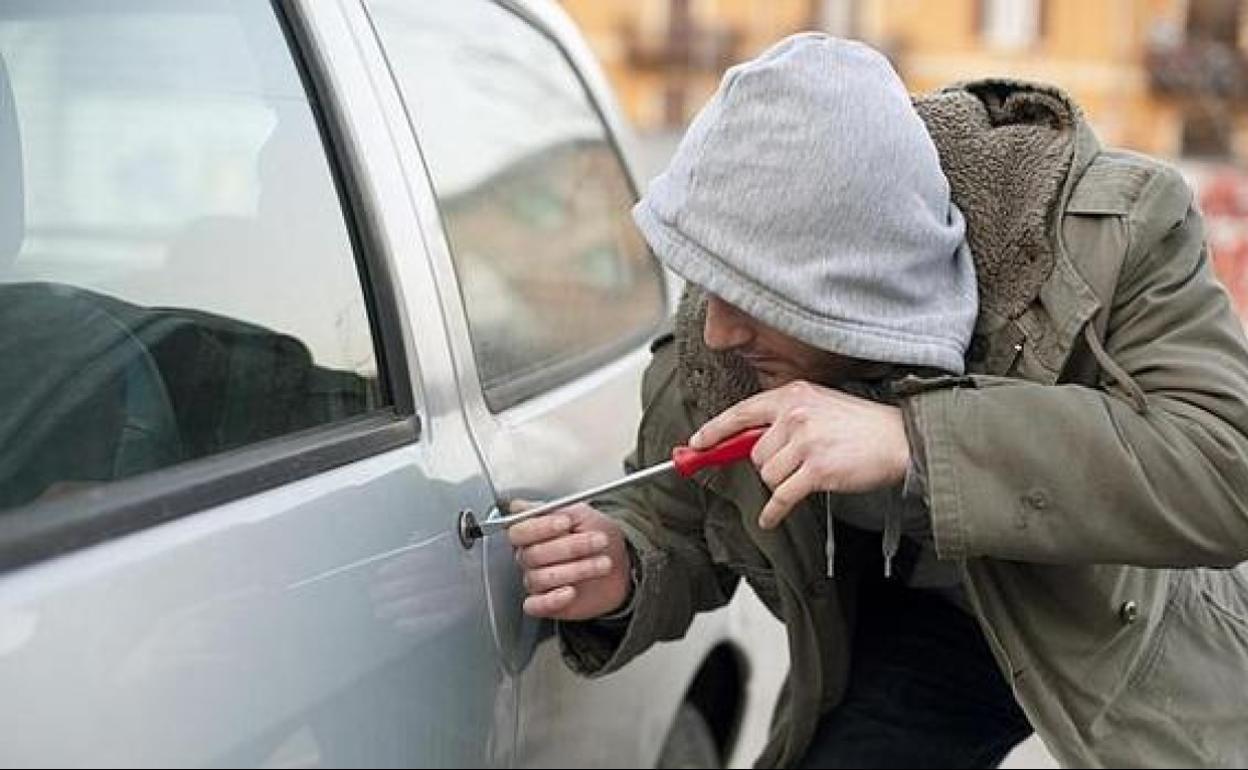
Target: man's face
(776,357)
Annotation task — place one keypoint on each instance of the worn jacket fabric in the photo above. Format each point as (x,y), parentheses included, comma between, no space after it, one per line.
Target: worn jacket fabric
(1089,475)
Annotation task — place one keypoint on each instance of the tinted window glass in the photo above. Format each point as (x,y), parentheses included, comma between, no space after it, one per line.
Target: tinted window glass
(176,275)
(554,276)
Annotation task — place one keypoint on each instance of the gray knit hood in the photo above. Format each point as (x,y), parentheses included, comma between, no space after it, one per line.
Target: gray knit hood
(809,194)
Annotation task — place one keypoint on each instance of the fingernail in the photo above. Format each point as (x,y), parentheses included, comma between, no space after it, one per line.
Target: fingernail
(598,541)
(602,563)
(561,522)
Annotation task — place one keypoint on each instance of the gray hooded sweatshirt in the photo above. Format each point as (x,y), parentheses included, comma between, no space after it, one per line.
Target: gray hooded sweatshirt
(827,222)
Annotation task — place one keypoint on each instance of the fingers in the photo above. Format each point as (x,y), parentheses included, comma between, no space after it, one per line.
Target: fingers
(548,526)
(578,545)
(791,491)
(764,408)
(756,410)
(778,466)
(550,604)
(574,563)
(544,579)
(539,530)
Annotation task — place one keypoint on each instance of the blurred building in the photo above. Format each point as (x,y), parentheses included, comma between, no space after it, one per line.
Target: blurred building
(1163,76)
(665,57)
(1167,77)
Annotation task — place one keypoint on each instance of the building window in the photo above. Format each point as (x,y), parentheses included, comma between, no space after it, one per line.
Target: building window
(1011,23)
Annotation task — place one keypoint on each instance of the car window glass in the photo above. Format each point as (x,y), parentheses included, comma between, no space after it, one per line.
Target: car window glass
(554,277)
(176,273)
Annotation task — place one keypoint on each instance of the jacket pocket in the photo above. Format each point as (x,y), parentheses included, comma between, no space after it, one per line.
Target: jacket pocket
(1185,705)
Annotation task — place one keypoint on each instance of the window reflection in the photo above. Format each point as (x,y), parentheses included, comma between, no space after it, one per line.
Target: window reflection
(176,275)
(553,275)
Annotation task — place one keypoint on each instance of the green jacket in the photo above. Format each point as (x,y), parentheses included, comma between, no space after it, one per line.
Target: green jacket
(1089,474)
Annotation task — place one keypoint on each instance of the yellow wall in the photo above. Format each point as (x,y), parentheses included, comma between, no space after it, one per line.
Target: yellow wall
(1094,49)
(758,22)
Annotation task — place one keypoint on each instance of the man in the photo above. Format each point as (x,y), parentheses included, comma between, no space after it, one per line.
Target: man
(987,500)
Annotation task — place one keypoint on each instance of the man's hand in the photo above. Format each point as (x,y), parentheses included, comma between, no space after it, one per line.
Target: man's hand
(576,565)
(819,439)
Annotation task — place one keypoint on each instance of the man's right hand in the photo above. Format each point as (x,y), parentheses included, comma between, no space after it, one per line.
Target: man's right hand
(575,562)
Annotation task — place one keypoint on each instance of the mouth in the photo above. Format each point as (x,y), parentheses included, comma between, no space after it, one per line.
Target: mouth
(760,363)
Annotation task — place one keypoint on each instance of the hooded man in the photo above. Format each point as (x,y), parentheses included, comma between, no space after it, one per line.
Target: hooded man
(1003,480)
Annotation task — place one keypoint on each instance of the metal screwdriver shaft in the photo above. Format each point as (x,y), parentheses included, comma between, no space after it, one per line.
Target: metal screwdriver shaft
(489,526)
(685,461)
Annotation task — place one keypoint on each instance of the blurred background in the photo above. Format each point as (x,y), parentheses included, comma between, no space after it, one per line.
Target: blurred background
(1164,77)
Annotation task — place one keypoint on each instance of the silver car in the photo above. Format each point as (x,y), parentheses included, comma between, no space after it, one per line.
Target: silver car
(285,289)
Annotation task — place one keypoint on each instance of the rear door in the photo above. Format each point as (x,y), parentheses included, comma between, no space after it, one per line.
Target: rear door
(231,448)
(552,293)
(554,299)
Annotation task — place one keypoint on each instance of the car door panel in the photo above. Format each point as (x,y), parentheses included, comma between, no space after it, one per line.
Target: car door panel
(333,619)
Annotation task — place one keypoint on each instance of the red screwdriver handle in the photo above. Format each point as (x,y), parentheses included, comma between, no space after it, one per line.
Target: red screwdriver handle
(730,450)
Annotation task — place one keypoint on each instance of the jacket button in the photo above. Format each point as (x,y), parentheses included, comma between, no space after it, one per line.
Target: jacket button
(1128,613)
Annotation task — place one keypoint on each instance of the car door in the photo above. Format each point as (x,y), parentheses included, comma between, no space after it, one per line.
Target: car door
(552,300)
(232,447)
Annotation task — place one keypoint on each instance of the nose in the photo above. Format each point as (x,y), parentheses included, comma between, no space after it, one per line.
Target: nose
(726,327)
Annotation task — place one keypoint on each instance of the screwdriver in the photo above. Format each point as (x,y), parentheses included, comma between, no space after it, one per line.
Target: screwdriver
(685,461)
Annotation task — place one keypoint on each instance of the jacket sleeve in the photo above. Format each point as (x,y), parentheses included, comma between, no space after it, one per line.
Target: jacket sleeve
(663,522)
(1073,474)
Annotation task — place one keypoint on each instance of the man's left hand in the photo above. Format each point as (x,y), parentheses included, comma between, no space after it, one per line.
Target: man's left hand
(818,439)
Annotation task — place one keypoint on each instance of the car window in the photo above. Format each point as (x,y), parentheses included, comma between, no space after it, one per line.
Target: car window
(177,277)
(554,277)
